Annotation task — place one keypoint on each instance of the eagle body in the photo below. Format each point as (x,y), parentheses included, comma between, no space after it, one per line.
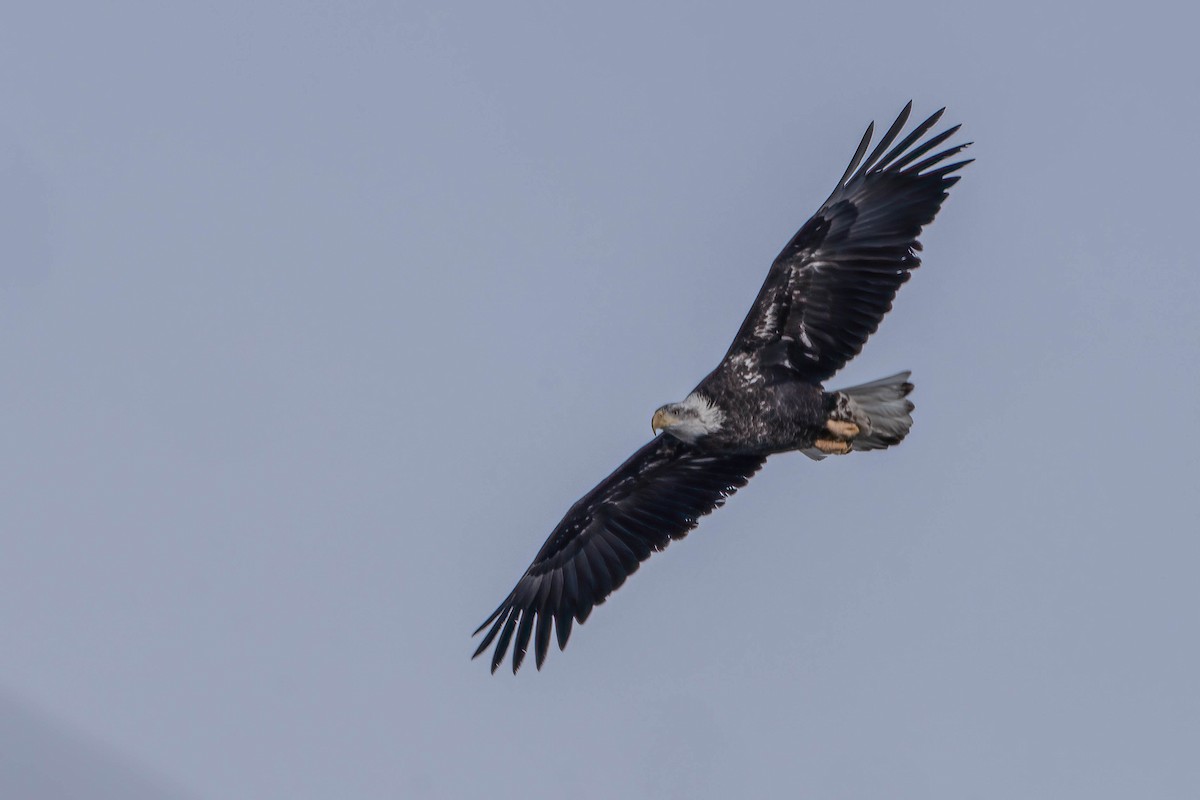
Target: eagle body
(762,417)
(824,295)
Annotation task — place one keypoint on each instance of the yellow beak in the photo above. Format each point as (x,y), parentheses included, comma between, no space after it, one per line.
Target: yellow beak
(661,421)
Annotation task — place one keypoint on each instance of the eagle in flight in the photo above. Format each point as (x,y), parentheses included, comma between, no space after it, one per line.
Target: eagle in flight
(823,296)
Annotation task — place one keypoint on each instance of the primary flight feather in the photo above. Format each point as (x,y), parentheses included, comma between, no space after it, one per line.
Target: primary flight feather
(824,295)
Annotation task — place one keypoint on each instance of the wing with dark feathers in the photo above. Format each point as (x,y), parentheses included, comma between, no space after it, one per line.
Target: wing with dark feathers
(830,287)
(659,494)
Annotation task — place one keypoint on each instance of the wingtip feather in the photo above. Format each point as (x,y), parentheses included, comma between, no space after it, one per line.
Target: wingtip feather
(863,144)
(886,141)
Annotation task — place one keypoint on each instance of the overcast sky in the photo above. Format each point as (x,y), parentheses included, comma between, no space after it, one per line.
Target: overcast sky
(314,321)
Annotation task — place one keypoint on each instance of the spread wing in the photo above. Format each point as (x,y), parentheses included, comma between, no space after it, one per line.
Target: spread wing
(659,494)
(830,287)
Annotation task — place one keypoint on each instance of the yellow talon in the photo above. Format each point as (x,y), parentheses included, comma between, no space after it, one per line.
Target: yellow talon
(842,429)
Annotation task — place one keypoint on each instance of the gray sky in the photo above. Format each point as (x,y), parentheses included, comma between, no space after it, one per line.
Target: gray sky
(313,323)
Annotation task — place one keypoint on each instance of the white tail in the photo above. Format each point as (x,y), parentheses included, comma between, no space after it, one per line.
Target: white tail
(887,410)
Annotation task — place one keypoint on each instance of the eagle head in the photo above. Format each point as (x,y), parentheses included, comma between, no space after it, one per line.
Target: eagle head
(695,417)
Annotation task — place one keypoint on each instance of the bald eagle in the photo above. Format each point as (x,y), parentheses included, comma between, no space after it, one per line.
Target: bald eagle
(823,296)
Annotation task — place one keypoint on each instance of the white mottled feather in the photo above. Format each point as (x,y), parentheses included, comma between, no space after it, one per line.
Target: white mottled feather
(696,416)
(711,415)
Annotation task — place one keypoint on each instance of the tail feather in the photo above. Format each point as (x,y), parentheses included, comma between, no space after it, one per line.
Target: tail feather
(886,408)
